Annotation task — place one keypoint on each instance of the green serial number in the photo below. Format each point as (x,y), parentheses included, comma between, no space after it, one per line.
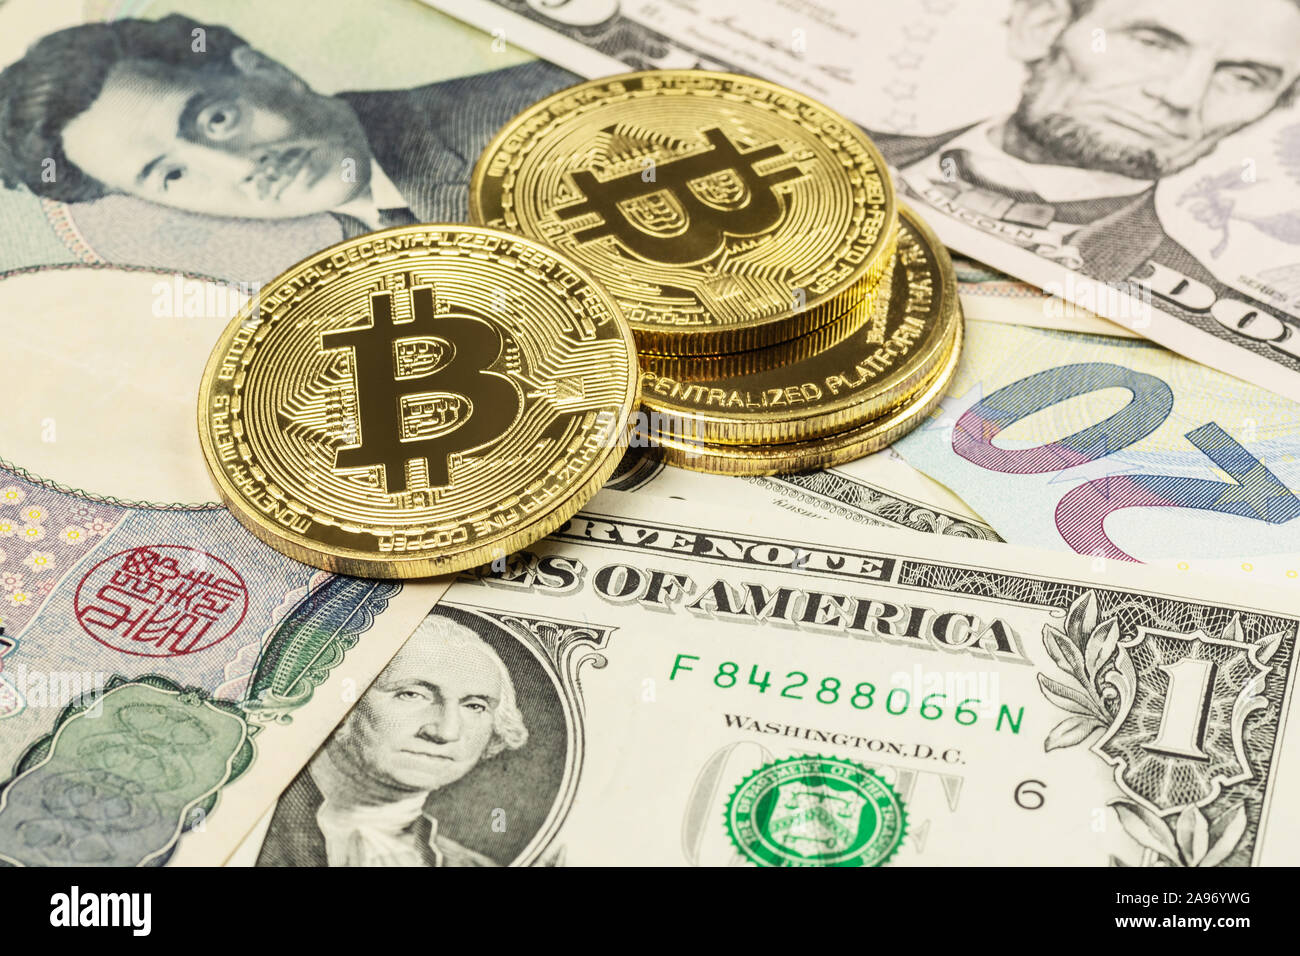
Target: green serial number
(863,696)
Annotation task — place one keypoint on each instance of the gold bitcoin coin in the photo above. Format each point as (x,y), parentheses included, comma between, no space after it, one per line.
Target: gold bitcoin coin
(418,401)
(857,379)
(823,452)
(723,213)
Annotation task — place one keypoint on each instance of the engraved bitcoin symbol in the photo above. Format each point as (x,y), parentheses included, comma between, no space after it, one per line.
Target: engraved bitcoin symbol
(683,214)
(423,389)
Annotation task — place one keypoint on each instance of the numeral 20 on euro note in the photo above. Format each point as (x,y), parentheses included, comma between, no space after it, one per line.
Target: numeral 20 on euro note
(1081,513)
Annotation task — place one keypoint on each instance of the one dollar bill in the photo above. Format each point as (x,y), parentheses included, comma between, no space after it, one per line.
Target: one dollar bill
(658,683)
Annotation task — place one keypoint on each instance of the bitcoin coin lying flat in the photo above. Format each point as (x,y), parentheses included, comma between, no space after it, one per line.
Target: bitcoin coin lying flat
(418,401)
(723,213)
(823,452)
(852,381)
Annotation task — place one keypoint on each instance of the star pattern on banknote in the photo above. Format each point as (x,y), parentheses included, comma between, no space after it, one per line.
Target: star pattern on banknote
(944,418)
(1246,494)
(906,59)
(1102,471)
(898,91)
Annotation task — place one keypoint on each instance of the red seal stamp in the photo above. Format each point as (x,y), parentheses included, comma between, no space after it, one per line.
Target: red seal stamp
(161,601)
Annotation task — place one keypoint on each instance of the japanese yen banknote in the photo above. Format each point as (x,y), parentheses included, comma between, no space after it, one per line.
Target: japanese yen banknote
(162,674)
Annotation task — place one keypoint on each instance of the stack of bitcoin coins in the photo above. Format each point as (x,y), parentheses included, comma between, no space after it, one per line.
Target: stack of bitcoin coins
(727,252)
(787,314)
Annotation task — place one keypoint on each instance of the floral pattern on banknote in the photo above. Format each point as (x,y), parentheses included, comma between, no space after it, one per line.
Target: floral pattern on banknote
(1128,662)
(1172,710)
(43,533)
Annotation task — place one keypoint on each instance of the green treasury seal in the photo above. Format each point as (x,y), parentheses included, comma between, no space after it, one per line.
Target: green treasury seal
(815,811)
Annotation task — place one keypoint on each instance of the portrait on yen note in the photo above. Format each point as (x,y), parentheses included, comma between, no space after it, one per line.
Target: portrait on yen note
(186,145)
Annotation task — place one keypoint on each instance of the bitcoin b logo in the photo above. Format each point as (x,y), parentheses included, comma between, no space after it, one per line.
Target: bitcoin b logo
(683,214)
(424,391)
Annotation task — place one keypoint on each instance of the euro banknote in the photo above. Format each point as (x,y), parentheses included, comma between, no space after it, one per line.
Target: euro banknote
(664,683)
(1119,450)
(1078,155)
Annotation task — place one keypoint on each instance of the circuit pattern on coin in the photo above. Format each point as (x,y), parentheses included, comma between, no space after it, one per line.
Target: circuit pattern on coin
(418,401)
